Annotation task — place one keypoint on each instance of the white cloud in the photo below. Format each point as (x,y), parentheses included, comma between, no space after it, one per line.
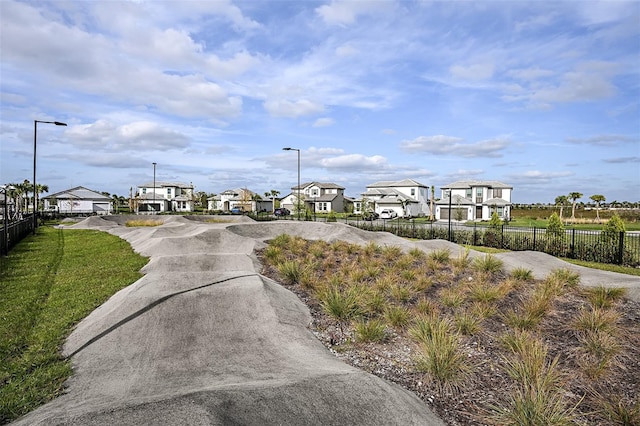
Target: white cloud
(449,145)
(473,72)
(291,109)
(603,140)
(345,12)
(324,122)
(353,161)
(105,136)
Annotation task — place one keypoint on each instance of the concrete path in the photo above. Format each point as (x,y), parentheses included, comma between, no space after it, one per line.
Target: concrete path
(204,339)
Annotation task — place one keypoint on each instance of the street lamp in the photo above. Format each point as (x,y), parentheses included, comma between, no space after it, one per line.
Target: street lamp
(5,227)
(296,149)
(35,187)
(154,187)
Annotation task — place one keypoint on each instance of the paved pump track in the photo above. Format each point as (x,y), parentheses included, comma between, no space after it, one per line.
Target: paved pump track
(204,339)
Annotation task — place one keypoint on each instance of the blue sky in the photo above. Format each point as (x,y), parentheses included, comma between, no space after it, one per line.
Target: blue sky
(543,96)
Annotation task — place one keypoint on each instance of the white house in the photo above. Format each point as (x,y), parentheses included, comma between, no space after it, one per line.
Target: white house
(317,197)
(474,200)
(78,200)
(164,197)
(240,197)
(407,197)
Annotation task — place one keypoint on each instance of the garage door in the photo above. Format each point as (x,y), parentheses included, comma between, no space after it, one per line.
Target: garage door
(457,214)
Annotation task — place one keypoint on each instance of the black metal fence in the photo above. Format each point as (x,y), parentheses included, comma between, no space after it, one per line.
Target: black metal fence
(14,233)
(621,248)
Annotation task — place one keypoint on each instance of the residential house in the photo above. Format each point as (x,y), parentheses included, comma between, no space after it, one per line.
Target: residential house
(474,200)
(317,197)
(164,197)
(407,197)
(244,198)
(78,200)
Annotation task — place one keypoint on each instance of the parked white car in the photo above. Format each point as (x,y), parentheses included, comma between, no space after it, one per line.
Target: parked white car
(388,214)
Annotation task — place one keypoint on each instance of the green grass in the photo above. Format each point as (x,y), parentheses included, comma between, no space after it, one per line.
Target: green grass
(49,282)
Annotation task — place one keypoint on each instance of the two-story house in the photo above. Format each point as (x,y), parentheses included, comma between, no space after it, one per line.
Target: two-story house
(407,197)
(474,200)
(164,197)
(243,198)
(316,197)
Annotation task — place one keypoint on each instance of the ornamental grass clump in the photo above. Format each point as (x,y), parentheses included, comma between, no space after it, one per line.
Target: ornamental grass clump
(487,264)
(539,397)
(143,222)
(340,304)
(397,316)
(604,297)
(441,357)
(371,330)
(290,270)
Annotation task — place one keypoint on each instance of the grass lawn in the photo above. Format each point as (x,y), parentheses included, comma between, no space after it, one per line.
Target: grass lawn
(48,283)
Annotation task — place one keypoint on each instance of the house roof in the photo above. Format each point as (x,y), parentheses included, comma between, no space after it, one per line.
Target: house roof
(387,195)
(323,198)
(464,184)
(78,193)
(321,185)
(496,202)
(166,185)
(237,194)
(398,183)
(457,200)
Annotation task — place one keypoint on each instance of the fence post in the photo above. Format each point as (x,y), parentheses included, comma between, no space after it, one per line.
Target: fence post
(572,253)
(502,236)
(474,234)
(620,248)
(534,239)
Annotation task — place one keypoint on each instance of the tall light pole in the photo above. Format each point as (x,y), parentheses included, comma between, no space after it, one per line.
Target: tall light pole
(298,201)
(154,187)
(35,187)
(5,227)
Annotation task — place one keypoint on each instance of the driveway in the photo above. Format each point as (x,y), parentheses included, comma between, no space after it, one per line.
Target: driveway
(203,339)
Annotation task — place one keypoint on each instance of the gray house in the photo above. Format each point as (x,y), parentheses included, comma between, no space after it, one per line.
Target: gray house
(78,200)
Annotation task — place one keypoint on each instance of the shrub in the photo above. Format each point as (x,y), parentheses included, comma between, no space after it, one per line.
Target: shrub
(522,274)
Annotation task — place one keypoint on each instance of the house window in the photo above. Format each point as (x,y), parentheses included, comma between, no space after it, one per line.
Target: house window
(144,190)
(169,192)
(497,193)
(323,206)
(478,195)
(468,193)
(413,192)
(314,192)
(500,211)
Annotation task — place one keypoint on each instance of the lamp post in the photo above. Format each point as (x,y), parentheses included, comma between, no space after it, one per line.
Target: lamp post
(35,187)
(5,216)
(154,187)
(298,201)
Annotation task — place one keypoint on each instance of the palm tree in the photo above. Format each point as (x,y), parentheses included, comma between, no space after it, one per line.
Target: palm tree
(561,200)
(433,195)
(273,194)
(574,196)
(404,204)
(598,199)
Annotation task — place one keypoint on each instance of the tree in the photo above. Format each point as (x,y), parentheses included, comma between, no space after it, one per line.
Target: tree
(574,196)
(612,229)
(404,204)
(598,199)
(273,194)
(433,195)
(561,200)
(555,227)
